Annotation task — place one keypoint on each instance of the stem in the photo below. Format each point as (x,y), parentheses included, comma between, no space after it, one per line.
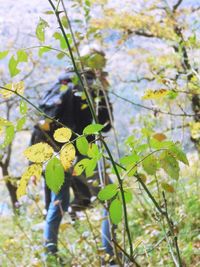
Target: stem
(123,200)
(170,224)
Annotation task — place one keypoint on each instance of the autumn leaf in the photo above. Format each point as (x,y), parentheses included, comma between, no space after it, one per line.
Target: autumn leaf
(39,152)
(12,89)
(32,170)
(62,135)
(155,94)
(67,155)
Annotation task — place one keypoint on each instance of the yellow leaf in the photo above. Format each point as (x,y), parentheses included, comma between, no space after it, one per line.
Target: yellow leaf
(195,130)
(13,87)
(62,135)
(155,94)
(67,155)
(39,153)
(32,170)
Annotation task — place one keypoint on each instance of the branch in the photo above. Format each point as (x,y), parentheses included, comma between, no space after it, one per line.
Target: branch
(177,5)
(156,111)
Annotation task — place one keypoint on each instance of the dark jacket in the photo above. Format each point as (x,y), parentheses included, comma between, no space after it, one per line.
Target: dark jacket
(69,108)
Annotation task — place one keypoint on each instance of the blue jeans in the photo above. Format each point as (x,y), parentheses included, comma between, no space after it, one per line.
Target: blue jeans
(59,203)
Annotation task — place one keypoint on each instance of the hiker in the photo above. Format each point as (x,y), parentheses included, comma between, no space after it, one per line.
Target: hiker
(67,107)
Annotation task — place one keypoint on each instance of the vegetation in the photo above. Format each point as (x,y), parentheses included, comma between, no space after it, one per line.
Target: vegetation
(154,199)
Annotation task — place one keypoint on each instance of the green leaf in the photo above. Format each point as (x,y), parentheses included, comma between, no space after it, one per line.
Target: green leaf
(80,167)
(54,174)
(64,22)
(115,211)
(108,192)
(10,133)
(60,55)
(22,56)
(40,30)
(93,128)
(131,159)
(91,166)
(20,123)
(3,54)
(82,145)
(127,195)
(96,61)
(58,36)
(43,50)
(179,154)
(23,107)
(170,165)
(12,65)
(150,164)
(93,151)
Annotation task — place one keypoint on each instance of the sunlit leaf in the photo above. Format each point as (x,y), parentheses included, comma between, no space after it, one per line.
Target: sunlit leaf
(43,50)
(93,128)
(108,192)
(9,136)
(12,65)
(4,122)
(54,174)
(40,30)
(23,107)
(170,165)
(91,166)
(32,170)
(39,152)
(127,195)
(155,94)
(80,166)
(115,211)
(22,56)
(20,123)
(179,154)
(82,145)
(67,155)
(93,151)
(62,135)
(12,89)
(150,164)
(3,54)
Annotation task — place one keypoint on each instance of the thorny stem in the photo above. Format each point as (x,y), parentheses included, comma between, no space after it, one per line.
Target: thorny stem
(170,224)
(123,200)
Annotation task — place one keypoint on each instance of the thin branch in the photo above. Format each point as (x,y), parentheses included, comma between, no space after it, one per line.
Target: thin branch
(177,5)
(155,110)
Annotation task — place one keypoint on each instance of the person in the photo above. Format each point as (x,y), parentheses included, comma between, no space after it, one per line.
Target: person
(68,107)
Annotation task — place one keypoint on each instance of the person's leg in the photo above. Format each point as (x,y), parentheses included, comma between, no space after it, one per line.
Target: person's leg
(59,203)
(106,235)
(81,191)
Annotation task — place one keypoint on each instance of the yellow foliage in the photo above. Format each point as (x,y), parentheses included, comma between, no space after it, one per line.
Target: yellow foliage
(135,22)
(13,87)
(62,135)
(39,153)
(32,170)
(67,155)
(195,130)
(155,94)
(4,122)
